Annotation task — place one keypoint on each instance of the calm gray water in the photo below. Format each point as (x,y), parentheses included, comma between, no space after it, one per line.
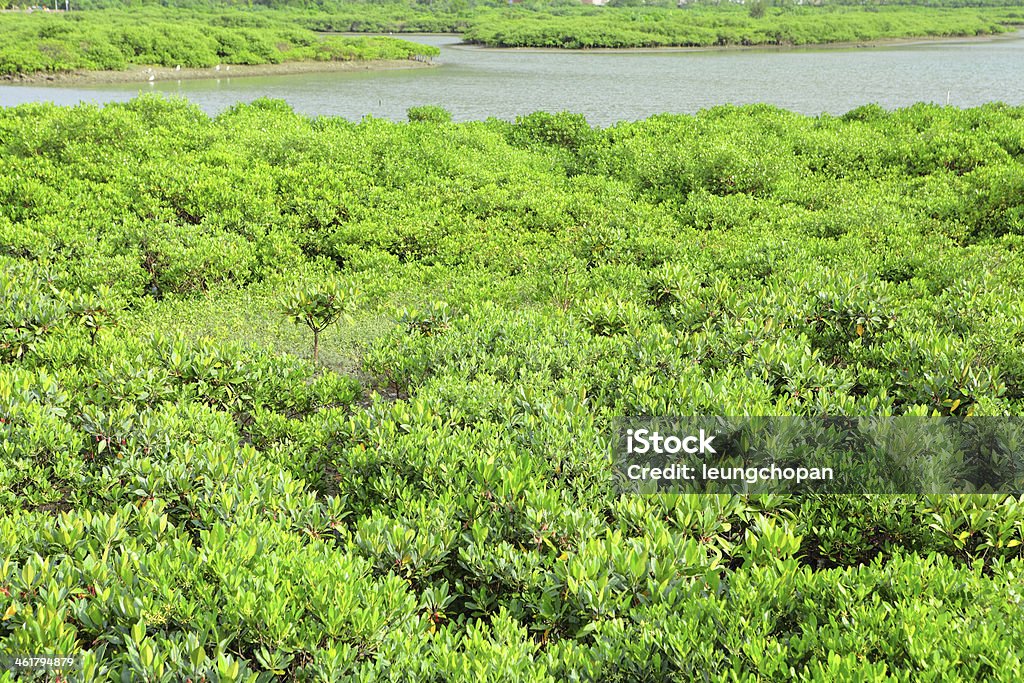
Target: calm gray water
(474,83)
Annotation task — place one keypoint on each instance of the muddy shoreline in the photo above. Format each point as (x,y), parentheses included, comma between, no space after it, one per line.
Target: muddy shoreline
(142,74)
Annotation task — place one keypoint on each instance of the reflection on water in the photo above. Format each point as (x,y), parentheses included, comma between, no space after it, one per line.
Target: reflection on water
(474,83)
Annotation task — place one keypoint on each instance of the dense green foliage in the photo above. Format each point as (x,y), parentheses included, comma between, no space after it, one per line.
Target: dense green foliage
(439,506)
(730,25)
(114,40)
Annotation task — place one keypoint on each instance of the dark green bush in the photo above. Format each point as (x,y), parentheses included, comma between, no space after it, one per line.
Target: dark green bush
(430,113)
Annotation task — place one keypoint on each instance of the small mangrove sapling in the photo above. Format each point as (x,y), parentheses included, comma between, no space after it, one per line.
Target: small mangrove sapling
(318,306)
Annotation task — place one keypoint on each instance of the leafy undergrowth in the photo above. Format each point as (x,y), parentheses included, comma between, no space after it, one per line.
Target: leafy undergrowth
(185,495)
(253,314)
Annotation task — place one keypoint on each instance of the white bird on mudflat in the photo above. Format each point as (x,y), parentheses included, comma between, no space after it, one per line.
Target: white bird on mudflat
(178,68)
(217,68)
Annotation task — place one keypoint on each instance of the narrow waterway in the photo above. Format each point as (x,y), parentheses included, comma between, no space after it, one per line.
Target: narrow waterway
(609,86)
